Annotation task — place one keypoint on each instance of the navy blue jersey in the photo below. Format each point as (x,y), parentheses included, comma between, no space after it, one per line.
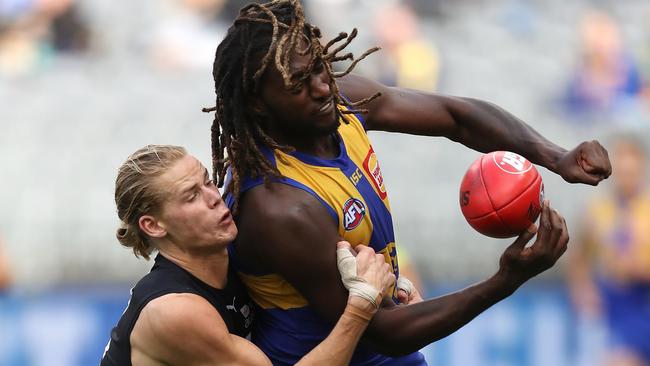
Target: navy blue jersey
(166,277)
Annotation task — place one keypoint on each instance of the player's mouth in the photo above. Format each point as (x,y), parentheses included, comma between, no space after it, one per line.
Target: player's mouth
(226,218)
(326,107)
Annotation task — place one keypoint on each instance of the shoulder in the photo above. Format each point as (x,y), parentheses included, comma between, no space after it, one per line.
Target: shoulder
(392,105)
(167,324)
(357,87)
(180,312)
(164,277)
(279,221)
(281,204)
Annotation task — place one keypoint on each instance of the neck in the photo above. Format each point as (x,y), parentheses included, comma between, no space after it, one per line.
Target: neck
(324,146)
(209,267)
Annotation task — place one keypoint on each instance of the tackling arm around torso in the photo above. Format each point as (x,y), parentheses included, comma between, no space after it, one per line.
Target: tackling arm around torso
(185,329)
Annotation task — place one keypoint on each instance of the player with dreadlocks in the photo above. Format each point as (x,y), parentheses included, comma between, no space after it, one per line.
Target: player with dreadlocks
(237,78)
(300,173)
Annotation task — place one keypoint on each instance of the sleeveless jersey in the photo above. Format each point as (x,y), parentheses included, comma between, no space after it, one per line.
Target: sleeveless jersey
(166,277)
(352,190)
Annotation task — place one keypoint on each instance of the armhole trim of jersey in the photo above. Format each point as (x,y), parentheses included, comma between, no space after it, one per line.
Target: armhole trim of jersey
(330,209)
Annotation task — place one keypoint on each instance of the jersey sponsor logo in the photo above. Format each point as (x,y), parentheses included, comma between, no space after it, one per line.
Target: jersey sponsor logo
(244,311)
(371,167)
(353,212)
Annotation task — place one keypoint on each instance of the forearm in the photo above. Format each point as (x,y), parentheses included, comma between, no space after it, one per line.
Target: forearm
(338,347)
(486,127)
(405,329)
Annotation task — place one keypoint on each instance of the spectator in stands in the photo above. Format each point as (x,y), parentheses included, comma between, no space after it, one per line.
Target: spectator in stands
(607,78)
(184,39)
(31,31)
(411,60)
(68,29)
(609,271)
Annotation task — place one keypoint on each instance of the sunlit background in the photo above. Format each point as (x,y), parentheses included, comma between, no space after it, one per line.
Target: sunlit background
(85,83)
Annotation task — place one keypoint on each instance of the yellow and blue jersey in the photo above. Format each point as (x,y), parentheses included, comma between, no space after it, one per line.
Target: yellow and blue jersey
(620,228)
(353,191)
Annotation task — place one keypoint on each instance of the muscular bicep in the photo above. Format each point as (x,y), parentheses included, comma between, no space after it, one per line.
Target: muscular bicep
(184,329)
(402,110)
(287,231)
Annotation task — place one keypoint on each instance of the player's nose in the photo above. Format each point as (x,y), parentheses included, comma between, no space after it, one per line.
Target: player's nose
(213,197)
(320,86)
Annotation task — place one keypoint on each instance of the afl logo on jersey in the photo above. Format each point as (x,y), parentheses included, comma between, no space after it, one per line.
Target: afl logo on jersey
(371,166)
(353,212)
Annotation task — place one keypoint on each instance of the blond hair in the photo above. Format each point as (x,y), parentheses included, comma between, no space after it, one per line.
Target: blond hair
(137,194)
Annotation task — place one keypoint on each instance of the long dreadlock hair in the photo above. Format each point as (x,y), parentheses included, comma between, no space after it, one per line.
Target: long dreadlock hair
(263,36)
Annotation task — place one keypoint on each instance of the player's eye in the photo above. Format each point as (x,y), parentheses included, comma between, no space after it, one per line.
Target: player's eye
(297,76)
(318,67)
(296,88)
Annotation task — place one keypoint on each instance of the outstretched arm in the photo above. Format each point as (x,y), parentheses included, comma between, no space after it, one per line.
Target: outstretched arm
(298,235)
(477,124)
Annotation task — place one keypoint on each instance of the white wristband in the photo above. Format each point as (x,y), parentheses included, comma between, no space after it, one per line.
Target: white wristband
(357,286)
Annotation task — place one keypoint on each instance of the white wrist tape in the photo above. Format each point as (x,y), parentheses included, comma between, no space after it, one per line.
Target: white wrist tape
(357,286)
(405,285)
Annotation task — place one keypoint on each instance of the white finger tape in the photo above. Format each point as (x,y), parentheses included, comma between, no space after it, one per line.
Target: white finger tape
(405,284)
(357,286)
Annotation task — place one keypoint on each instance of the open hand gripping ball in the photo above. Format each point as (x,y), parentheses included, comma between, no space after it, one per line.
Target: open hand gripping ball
(501,194)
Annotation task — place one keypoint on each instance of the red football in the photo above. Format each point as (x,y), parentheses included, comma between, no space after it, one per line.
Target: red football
(501,194)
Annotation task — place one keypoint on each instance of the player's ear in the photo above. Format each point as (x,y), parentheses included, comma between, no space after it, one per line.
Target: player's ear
(152,226)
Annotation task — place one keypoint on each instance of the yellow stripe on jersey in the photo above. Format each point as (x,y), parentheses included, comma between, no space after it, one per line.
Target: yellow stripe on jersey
(272,291)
